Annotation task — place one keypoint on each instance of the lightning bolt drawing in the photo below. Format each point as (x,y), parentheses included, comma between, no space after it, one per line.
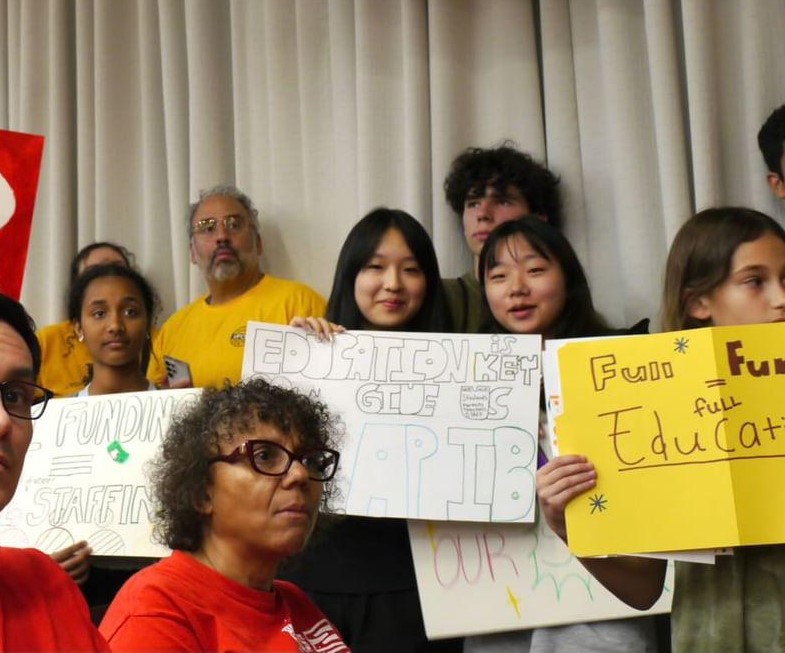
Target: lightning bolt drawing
(514,602)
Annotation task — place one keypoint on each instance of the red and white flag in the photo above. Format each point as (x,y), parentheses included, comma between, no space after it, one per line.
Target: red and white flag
(20,165)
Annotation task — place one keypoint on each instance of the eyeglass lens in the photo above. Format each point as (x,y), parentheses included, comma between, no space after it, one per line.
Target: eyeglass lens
(231,223)
(23,399)
(271,458)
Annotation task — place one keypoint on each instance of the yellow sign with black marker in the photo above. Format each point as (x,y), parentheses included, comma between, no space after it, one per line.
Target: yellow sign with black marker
(687,433)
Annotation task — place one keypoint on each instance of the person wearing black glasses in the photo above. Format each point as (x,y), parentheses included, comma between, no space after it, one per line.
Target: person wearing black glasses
(40,606)
(238,485)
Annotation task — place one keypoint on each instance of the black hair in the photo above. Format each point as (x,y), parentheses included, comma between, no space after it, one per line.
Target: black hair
(360,246)
(83,253)
(770,140)
(15,315)
(476,168)
(149,297)
(579,318)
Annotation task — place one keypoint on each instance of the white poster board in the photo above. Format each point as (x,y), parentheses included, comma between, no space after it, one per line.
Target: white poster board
(483,578)
(84,474)
(438,426)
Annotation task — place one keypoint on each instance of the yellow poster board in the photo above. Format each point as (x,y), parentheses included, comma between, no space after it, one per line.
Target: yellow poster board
(687,432)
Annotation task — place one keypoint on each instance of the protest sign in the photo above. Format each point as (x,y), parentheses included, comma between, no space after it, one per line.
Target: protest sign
(483,578)
(84,474)
(686,432)
(437,426)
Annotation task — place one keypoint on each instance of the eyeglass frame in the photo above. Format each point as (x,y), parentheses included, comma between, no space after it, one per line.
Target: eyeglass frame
(47,395)
(207,226)
(245,450)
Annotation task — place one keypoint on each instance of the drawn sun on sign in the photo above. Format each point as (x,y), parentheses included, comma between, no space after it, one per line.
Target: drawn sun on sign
(598,502)
(680,345)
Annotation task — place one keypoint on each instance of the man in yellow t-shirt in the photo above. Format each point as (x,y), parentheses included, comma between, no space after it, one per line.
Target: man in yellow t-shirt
(204,341)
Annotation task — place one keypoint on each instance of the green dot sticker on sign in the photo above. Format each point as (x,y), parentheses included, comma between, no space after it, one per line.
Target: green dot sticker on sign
(116,451)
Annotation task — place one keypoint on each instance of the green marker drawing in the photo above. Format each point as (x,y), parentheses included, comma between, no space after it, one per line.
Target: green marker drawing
(116,451)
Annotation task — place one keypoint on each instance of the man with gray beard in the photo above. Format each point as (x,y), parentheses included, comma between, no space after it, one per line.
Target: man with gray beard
(202,344)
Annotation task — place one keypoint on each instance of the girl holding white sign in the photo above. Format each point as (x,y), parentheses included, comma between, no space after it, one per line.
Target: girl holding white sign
(533,283)
(726,267)
(66,362)
(361,573)
(112,308)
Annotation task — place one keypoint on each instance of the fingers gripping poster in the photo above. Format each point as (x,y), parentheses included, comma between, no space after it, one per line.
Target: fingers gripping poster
(436,426)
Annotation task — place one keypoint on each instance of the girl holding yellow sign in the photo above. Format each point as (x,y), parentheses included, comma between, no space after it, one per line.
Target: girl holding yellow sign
(726,267)
(533,282)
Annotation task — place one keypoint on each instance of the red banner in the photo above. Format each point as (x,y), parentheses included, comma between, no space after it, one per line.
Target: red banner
(20,165)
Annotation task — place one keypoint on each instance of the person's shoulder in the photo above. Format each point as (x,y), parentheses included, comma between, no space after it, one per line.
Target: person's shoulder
(295,295)
(37,592)
(183,314)
(24,565)
(466,282)
(464,302)
(11,557)
(166,571)
(287,588)
(451,283)
(151,588)
(270,281)
(152,608)
(641,327)
(58,331)
(295,598)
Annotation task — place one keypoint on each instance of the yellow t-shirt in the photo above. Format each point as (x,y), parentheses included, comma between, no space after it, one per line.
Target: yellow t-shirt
(65,362)
(211,338)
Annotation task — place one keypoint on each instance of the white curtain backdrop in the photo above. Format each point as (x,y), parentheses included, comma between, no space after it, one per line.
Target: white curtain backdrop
(322,109)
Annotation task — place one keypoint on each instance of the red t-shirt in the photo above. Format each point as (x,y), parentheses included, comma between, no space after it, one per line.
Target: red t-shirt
(41,609)
(181,604)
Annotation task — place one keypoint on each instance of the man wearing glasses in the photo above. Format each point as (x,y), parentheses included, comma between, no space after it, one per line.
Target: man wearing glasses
(40,606)
(202,344)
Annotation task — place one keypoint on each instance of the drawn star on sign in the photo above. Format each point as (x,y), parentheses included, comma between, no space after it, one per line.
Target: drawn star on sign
(598,502)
